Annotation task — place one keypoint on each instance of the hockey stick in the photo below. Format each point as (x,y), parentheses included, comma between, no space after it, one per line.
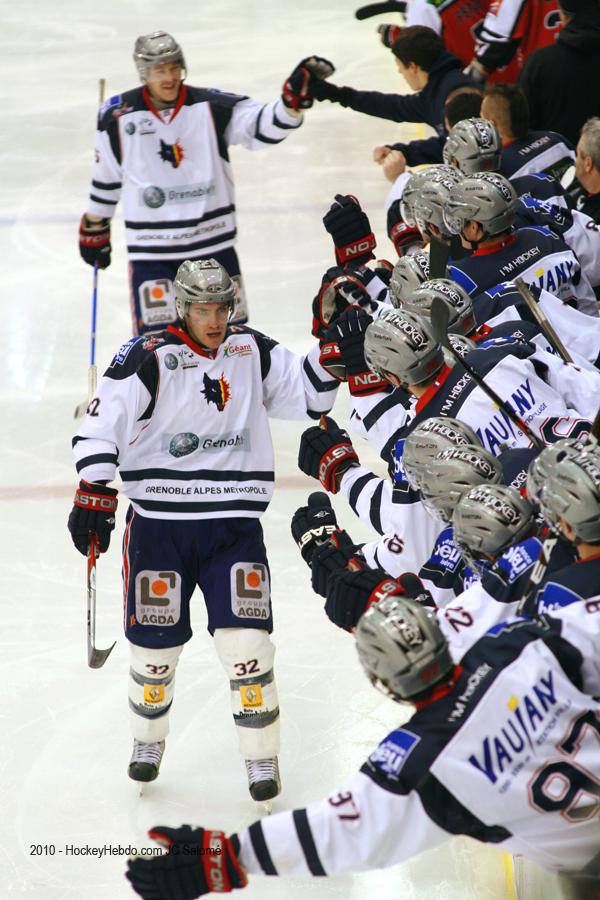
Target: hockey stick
(378,9)
(439,251)
(440,315)
(547,329)
(96,658)
(81,408)
(92,368)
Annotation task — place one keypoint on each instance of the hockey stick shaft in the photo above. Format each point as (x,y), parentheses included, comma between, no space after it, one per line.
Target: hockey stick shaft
(439,251)
(96,657)
(547,328)
(92,369)
(439,324)
(378,9)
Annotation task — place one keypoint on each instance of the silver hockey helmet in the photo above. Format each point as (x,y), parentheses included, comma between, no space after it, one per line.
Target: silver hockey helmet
(488,198)
(540,467)
(400,343)
(427,440)
(473,145)
(155,49)
(489,519)
(414,183)
(452,473)
(572,492)
(429,201)
(408,273)
(401,648)
(202,281)
(461,344)
(460,305)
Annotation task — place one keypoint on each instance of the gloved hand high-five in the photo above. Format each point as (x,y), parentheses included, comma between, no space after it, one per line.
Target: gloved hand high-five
(298,90)
(313,524)
(326,452)
(343,354)
(350,594)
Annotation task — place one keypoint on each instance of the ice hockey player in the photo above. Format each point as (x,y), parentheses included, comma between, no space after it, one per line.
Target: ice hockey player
(474,146)
(481,210)
(184,415)
(401,225)
(502,312)
(570,501)
(479,756)
(163,149)
(524,152)
(399,347)
(389,506)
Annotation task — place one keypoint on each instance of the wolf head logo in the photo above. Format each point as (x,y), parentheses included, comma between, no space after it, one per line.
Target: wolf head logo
(217,391)
(172,153)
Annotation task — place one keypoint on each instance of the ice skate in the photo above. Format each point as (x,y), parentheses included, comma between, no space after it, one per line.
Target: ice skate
(263,779)
(145,760)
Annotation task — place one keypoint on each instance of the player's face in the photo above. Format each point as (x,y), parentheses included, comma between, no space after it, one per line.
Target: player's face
(164,82)
(207,323)
(410,74)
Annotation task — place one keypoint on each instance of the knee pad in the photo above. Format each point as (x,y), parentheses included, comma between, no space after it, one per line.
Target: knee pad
(151,688)
(247,655)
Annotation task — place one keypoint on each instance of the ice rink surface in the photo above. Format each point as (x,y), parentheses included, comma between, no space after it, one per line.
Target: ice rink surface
(65,740)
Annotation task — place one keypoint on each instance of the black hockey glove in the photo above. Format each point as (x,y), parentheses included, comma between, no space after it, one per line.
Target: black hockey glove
(313,524)
(350,229)
(298,89)
(94,242)
(326,452)
(414,588)
(388,34)
(402,236)
(339,554)
(350,594)
(189,869)
(93,512)
(347,334)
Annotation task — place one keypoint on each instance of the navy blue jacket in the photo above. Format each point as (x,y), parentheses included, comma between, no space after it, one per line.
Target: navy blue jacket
(425,106)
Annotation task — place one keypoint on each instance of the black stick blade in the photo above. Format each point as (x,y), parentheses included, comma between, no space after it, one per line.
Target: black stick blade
(379,9)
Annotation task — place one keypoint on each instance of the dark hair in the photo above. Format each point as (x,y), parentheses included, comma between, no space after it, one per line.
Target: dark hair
(463,103)
(420,45)
(514,104)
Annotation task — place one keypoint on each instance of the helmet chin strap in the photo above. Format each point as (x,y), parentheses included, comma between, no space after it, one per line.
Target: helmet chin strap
(474,245)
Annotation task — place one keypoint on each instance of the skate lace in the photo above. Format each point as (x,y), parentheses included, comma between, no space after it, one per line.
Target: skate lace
(261,769)
(148,753)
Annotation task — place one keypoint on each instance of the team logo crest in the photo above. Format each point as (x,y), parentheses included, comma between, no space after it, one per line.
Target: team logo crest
(217,391)
(172,153)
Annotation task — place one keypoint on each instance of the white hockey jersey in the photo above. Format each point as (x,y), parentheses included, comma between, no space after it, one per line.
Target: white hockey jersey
(171,168)
(189,429)
(510,757)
